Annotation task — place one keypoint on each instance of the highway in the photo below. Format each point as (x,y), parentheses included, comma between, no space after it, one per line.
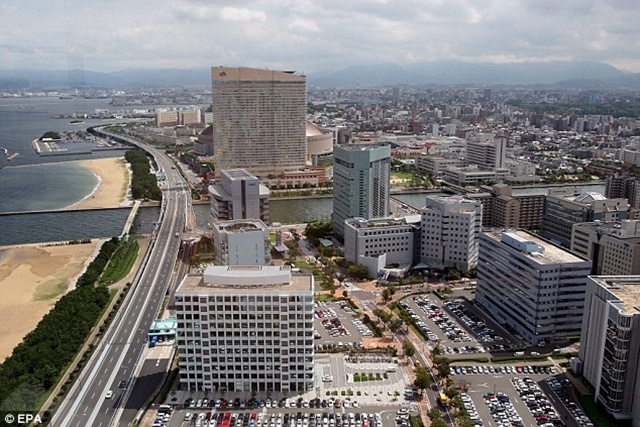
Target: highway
(119,354)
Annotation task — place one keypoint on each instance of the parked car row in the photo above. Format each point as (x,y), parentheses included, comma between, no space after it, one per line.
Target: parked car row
(338,345)
(334,328)
(362,328)
(163,416)
(465,349)
(262,419)
(502,410)
(324,313)
(451,329)
(482,331)
(487,369)
(471,410)
(558,388)
(537,402)
(345,307)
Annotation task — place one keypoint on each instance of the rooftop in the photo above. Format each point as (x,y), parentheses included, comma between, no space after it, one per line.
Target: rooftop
(362,147)
(625,229)
(229,74)
(241,225)
(238,174)
(549,254)
(258,278)
(589,197)
(626,288)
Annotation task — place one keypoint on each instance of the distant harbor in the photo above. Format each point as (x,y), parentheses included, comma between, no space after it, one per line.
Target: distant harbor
(58,147)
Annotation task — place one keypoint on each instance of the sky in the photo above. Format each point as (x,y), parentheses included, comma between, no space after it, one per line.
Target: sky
(313,35)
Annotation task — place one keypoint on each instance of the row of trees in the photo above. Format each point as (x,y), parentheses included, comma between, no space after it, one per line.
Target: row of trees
(37,363)
(97,266)
(143,183)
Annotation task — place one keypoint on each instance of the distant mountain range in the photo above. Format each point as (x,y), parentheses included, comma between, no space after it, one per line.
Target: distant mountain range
(558,74)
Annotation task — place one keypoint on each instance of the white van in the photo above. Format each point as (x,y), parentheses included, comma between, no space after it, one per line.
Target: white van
(391,368)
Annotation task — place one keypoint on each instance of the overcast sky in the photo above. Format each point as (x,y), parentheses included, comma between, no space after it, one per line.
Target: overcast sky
(313,35)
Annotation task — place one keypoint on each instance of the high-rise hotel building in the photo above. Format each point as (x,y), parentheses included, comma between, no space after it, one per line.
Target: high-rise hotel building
(259,120)
(246,328)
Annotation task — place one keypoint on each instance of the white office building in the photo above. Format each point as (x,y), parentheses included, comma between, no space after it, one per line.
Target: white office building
(245,329)
(239,195)
(610,344)
(380,242)
(451,226)
(241,242)
(535,288)
(487,151)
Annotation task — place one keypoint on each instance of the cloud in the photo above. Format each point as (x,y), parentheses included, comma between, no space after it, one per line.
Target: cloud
(314,35)
(235,14)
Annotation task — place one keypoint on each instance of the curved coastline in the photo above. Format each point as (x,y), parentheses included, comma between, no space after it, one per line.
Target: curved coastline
(76,205)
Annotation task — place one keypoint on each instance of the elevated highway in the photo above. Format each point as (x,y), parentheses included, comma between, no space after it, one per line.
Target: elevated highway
(116,362)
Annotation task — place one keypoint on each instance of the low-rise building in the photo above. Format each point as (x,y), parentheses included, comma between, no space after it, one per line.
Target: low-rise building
(613,247)
(562,211)
(472,174)
(435,165)
(241,242)
(382,242)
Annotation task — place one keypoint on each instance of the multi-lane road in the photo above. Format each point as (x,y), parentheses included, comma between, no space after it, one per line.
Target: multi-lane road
(113,370)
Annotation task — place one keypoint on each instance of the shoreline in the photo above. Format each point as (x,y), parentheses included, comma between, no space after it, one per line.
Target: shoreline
(111,190)
(91,194)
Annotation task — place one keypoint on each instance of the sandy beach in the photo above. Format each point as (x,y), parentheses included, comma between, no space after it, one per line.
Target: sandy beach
(32,279)
(111,190)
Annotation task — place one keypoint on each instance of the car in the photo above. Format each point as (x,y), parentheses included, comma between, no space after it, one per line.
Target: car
(109,394)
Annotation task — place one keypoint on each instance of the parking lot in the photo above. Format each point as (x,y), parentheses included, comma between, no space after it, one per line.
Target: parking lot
(459,326)
(430,316)
(336,326)
(329,412)
(519,395)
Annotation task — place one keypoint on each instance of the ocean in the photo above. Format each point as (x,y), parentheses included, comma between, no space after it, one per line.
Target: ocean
(29,182)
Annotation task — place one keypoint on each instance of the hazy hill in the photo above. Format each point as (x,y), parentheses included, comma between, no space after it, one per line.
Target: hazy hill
(455,72)
(553,74)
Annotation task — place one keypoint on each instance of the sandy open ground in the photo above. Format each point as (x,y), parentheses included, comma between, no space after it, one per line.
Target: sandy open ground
(112,188)
(32,279)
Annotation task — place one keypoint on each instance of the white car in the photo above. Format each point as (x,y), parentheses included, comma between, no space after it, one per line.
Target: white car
(109,394)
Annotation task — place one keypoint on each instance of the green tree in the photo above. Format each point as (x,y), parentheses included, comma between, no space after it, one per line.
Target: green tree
(358,271)
(395,325)
(408,348)
(423,379)
(442,365)
(388,293)
(318,229)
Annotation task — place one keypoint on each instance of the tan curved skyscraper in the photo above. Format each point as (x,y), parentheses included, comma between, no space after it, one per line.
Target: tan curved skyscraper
(259,119)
